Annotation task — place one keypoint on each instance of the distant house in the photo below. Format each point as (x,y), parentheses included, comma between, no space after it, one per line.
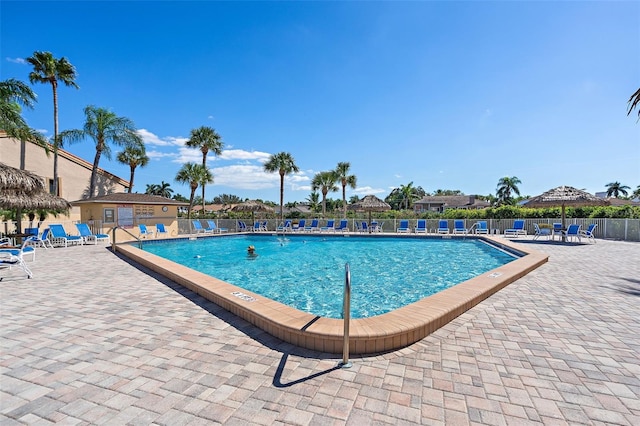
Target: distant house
(440,203)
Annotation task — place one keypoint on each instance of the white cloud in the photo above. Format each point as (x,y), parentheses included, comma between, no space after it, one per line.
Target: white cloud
(159,155)
(240,154)
(366,190)
(186,155)
(245,176)
(152,139)
(16,60)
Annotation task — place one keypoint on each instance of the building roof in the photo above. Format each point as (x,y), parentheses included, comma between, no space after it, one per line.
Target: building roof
(133,198)
(453,201)
(79,161)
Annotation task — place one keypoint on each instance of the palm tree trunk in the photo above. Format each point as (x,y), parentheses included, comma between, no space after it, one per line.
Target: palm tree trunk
(204,165)
(282,197)
(54,84)
(193,194)
(94,172)
(344,201)
(133,170)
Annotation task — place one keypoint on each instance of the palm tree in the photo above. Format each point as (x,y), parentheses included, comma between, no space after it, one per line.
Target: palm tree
(134,156)
(342,173)
(205,139)
(13,94)
(103,126)
(636,192)
(284,164)
(314,201)
(409,195)
(506,186)
(633,102)
(164,190)
(614,189)
(194,175)
(47,69)
(152,189)
(325,182)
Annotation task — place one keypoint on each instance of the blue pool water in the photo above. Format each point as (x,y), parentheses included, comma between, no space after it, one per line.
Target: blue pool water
(307,272)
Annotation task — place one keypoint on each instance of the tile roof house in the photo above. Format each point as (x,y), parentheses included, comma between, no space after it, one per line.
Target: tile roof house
(440,203)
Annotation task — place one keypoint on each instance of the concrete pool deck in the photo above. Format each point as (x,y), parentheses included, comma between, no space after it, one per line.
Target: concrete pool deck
(95,339)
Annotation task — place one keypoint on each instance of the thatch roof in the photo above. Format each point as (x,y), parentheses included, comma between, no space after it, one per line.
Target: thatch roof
(12,178)
(565,196)
(370,203)
(36,199)
(253,206)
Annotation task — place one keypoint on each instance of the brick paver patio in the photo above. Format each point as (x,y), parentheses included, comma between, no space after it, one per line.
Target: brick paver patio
(92,339)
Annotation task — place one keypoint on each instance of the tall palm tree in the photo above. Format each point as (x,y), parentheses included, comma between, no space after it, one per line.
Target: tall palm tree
(47,69)
(633,102)
(325,182)
(506,186)
(14,95)
(614,189)
(205,139)
(194,175)
(284,164)
(342,172)
(134,156)
(104,126)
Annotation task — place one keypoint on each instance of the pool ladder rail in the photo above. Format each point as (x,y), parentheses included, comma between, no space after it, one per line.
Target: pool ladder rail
(346,315)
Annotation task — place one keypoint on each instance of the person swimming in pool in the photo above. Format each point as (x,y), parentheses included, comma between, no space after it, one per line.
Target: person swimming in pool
(251,252)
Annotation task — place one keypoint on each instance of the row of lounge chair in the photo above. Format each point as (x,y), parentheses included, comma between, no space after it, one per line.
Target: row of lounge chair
(420,227)
(52,236)
(572,233)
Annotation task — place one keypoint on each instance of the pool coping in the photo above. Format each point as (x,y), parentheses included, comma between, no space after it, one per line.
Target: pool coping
(383,333)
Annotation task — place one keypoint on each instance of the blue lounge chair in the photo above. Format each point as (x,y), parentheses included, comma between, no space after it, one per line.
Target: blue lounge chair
(421,226)
(215,228)
(557,230)
(242,227)
(60,237)
(329,227)
(403,227)
(364,227)
(376,226)
(516,230)
(42,240)
(300,226)
(573,231)
(285,227)
(589,233)
(198,228)
(344,226)
(481,227)
(443,227)
(89,236)
(458,227)
(541,232)
(313,227)
(160,229)
(144,231)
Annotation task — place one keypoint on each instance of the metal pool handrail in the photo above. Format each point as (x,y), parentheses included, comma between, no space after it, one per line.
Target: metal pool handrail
(346,315)
(113,237)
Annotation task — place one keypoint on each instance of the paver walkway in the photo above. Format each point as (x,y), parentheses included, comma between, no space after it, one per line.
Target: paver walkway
(92,339)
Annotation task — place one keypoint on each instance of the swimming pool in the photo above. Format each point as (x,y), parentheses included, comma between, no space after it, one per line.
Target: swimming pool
(307,272)
(393,330)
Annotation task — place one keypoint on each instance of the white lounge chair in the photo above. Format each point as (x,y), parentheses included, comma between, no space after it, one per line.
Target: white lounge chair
(541,232)
(516,230)
(443,226)
(421,226)
(589,233)
(144,231)
(403,227)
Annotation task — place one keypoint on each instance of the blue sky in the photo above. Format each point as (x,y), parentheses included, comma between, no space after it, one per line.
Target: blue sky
(447,95)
